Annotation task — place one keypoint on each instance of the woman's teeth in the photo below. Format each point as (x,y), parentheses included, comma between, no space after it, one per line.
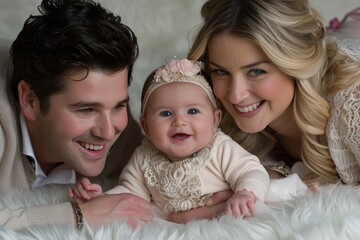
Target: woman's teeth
(249,108)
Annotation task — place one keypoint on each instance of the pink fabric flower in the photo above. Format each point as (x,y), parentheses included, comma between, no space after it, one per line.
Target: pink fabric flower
(175,69)
(183,66)
(162,75)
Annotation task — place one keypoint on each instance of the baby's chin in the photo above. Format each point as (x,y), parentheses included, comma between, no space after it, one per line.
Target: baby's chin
(181,157)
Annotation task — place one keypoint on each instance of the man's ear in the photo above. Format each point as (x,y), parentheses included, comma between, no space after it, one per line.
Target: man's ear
(217,118)
(143,124)
(29,103)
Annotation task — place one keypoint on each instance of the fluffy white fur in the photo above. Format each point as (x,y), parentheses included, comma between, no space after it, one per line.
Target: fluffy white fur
(332,213)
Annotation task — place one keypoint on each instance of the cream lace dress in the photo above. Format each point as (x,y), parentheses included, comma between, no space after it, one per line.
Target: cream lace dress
(184,185)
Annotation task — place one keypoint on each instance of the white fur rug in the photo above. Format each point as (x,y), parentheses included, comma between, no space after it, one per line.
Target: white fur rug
(332,213)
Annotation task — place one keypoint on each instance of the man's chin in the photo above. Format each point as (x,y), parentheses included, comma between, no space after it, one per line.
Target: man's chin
(93,170)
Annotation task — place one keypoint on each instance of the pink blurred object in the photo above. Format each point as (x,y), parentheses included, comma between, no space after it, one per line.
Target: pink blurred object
(335,23)
(348,27)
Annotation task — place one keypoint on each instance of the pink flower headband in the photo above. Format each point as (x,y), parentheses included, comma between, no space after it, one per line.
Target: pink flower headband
(175,71)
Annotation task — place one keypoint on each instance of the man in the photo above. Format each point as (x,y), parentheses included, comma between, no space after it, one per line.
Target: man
(72,65)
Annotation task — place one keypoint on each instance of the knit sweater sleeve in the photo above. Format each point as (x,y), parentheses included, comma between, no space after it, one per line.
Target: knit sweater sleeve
(28,216)
(241,169)
(132,178)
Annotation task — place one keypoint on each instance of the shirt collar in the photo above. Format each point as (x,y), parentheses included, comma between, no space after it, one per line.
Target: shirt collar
(27,147)
(68,177)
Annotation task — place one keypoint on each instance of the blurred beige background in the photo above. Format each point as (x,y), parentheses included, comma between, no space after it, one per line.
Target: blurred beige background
(165,28)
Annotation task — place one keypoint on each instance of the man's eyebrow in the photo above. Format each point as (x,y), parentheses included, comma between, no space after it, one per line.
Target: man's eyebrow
(82,104)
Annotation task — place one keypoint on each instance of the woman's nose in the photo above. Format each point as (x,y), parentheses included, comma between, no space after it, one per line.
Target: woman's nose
(238,90)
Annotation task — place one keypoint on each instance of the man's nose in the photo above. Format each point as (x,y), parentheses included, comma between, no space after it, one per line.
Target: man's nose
(105,127)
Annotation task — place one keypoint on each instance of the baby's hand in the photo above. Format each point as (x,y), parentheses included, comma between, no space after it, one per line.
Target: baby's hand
(85,191)
(241,204)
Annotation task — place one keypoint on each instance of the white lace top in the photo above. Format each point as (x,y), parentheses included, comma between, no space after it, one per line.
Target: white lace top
(343,129)
(184,185)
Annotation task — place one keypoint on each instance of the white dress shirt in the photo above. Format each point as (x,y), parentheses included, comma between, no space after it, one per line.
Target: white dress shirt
(62,174)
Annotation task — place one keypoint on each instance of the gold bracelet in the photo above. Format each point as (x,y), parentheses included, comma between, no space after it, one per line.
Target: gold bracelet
(78,215)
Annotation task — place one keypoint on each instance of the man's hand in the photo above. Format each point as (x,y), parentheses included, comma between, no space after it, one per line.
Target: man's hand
(214,207)
(109,208)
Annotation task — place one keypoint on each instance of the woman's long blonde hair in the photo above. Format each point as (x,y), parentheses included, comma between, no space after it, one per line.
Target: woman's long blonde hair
(292,35)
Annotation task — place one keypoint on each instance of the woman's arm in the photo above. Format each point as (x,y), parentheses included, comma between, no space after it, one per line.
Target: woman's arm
(214,207)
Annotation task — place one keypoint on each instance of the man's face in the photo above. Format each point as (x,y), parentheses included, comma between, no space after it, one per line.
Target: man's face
(82,123)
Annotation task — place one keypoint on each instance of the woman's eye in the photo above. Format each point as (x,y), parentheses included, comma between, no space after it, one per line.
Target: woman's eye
(165,113)
(193,111)
(256,72)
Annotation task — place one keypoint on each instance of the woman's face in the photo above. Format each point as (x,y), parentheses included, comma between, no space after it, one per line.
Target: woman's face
(251,88)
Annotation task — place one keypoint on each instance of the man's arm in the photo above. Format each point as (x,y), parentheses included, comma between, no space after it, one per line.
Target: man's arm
(101,210)
(109,208)
(28,216)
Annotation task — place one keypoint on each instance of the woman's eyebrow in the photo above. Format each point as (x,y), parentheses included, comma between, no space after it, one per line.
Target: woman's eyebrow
(243,67)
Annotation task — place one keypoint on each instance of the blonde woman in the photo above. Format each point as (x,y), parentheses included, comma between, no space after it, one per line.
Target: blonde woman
(289,94)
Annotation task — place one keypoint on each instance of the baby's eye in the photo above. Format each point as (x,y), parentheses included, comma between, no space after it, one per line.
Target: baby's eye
(219,72)
(193,111)
(165,113)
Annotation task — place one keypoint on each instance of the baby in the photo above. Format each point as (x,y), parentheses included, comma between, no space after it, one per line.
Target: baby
(185,158)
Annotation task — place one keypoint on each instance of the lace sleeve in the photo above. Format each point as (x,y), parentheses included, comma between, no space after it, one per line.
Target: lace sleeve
(351,46)
(343,133)
(353,116)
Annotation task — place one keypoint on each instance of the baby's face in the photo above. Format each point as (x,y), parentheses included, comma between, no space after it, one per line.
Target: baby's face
(180,119)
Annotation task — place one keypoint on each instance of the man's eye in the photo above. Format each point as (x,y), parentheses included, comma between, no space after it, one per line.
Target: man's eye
(193,111)
(120,107)
(165,113)
(85,110)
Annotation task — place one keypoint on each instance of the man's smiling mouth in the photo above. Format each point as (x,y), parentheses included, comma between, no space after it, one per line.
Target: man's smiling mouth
(92,147)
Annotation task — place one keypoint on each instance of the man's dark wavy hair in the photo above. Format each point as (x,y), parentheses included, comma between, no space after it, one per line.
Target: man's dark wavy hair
(69,35)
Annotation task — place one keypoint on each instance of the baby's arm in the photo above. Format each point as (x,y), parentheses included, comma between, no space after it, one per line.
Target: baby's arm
(241,203)
(84,190)
(245,175)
